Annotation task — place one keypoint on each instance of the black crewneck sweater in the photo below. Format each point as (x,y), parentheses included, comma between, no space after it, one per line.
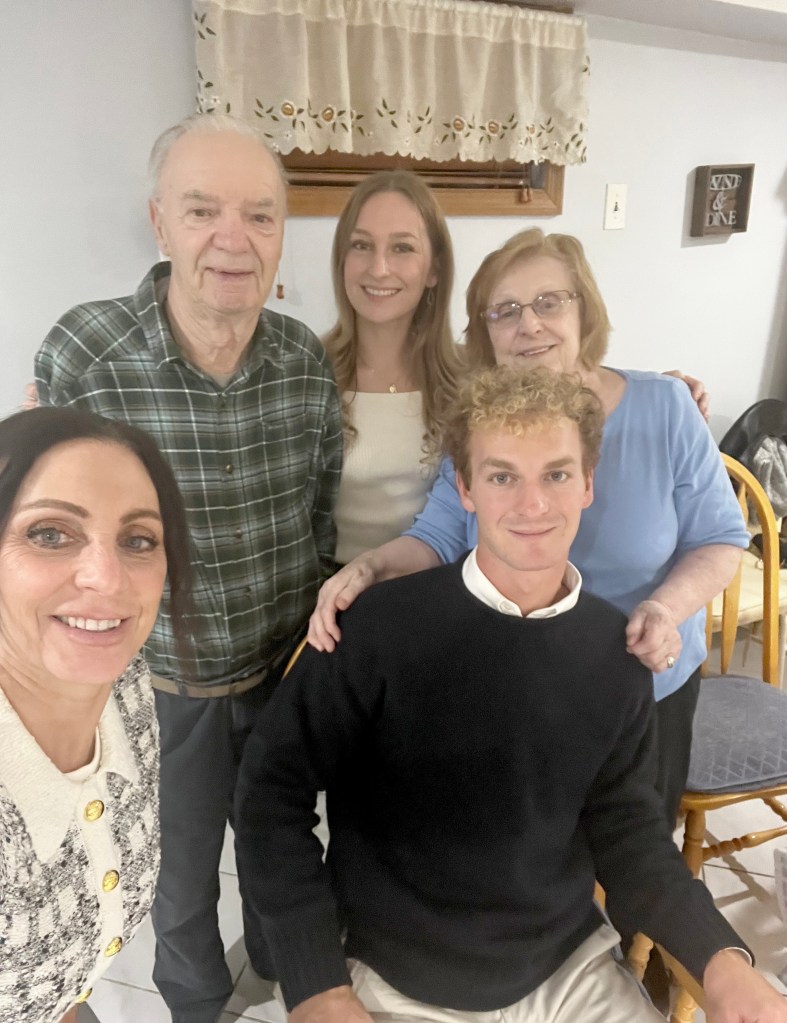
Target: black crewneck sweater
(482,771)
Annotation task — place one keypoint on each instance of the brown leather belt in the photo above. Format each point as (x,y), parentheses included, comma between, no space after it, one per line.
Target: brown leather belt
(236,688)
(242,685)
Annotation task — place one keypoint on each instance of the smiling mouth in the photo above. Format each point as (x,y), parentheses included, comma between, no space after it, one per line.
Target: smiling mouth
(530,534)
(381,292)
(530,352)
(90,624)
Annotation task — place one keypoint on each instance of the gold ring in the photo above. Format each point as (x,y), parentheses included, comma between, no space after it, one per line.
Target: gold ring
(670,661)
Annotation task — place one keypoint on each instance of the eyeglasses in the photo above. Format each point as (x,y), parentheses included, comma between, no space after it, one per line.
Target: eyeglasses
(507,315)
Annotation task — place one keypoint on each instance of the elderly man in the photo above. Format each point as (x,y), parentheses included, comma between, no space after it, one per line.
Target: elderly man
(243,403)
(485,742)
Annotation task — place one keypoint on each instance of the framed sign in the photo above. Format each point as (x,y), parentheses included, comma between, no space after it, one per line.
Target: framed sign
(721,199)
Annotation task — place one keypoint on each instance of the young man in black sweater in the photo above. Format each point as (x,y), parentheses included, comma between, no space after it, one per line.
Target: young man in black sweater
(485,744)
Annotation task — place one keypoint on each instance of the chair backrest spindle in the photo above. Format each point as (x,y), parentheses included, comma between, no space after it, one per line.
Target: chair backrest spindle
(759,517)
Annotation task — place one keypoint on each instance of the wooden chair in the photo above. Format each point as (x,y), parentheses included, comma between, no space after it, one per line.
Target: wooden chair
(739,603)
(739,747)
(750,609)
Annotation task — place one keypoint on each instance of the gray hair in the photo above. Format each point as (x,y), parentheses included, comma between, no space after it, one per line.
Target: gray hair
(205,124)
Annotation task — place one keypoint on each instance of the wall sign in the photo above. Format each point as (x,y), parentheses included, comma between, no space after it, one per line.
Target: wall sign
(721,199)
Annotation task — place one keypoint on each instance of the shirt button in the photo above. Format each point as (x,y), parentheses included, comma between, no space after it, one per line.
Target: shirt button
(229,469)
(84,996)
(506,606)
(94,810)
(113,947)
(110,880)
(238,534)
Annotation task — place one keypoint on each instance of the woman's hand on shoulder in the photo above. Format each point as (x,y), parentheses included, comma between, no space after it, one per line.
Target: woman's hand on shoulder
(652,635)
(398,557)
(336,594)
(696,387)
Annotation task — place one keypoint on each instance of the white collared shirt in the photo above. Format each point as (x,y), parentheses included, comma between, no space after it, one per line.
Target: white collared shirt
(83,773)
(48,800)
(481,587)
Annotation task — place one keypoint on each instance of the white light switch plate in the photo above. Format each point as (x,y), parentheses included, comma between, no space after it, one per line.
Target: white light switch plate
(615,208)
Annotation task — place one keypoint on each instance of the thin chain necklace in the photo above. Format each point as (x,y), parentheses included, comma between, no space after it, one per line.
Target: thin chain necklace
(392,387)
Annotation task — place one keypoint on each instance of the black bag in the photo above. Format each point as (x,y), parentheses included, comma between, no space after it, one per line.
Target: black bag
(766,418)
(758,439)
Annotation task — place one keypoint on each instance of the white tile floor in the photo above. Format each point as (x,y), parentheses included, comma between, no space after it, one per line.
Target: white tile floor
(743,886)
(127,993)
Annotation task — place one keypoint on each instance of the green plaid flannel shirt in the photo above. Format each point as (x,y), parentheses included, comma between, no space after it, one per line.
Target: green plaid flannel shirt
(258,463)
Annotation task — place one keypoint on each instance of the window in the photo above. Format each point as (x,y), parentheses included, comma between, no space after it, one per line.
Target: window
(486,100)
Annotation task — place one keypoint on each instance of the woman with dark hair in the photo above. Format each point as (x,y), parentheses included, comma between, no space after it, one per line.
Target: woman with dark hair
(91,527)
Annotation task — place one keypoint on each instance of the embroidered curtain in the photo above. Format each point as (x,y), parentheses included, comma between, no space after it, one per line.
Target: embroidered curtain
(434,79)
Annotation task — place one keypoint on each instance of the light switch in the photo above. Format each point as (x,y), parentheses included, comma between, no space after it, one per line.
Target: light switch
(615,208)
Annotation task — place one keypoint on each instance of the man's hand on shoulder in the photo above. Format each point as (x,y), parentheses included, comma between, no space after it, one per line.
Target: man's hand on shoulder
(31,397)
(736,993)
(337,1005)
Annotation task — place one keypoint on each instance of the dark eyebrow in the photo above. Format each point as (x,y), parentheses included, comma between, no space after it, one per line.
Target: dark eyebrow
(394,234)
(140,513)
(501,463)
(83,513)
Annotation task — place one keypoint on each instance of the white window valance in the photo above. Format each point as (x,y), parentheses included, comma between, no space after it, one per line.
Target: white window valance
(429,79)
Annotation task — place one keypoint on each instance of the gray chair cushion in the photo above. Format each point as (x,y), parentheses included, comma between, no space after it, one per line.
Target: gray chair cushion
(740,736)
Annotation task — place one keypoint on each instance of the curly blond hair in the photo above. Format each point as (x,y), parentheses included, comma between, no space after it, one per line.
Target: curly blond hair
(519,402)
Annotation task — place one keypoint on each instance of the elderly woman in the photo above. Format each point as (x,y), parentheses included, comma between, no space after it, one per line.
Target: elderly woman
(91,527)
(664,532)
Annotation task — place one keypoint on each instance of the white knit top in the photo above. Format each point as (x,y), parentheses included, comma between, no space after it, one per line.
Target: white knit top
(384,480)
(78,858)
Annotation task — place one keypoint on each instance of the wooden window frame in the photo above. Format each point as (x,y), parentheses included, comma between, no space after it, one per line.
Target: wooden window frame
(542,198)
(316,193)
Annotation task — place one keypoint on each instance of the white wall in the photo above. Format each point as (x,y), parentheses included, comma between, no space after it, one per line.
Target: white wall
(87,86)
(107,76)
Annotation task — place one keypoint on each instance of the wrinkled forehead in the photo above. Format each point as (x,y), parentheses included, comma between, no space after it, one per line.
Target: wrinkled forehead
(529,276)
(224,164)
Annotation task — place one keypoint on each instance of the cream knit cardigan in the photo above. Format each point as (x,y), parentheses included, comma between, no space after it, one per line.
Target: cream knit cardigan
(78,859)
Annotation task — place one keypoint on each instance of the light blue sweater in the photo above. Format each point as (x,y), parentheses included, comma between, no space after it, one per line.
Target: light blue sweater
(661,490)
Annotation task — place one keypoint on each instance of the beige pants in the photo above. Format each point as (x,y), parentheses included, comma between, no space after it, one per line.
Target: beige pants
(590,987)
